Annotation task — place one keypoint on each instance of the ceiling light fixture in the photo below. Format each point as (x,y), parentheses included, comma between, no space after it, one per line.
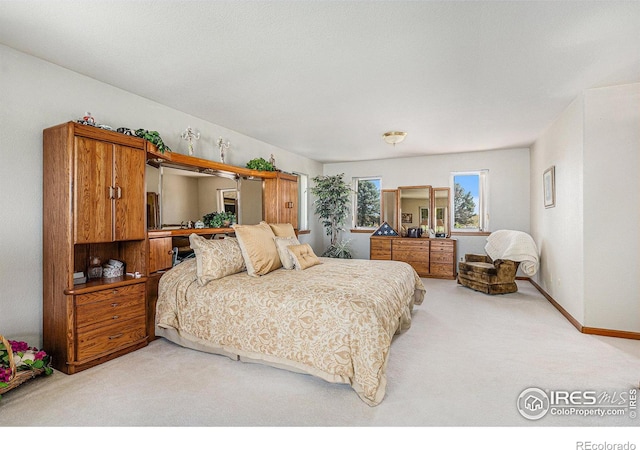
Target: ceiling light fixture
(394,137)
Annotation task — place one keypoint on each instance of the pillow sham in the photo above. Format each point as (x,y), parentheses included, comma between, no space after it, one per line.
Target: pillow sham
(216,258)
(303,256)
(283,229)
(258,248)
(285,257)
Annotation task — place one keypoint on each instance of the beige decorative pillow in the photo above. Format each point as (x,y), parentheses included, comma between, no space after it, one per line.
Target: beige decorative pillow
(283,229)
(303,256)
(285,256)
(216,258)
(258,248)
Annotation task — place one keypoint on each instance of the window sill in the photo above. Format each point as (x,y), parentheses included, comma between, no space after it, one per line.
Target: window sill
(470,233)
(363,230)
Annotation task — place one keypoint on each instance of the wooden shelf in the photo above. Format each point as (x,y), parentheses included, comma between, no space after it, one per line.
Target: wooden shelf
(188,231)
(102,283)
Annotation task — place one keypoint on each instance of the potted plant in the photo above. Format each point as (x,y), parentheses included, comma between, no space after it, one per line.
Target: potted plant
(332,207)
(261,164)
(222,219)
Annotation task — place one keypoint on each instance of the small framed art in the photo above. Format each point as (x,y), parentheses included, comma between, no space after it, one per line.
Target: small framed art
(549,183)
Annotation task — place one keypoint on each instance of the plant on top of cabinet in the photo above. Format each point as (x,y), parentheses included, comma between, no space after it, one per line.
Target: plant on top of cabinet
(154,138)
(260,164)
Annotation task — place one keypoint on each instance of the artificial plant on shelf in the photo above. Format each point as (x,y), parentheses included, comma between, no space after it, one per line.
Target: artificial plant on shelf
(331,205)
(222,219)
(260,164)
(154,138)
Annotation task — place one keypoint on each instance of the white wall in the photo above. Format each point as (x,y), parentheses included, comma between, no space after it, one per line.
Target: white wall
(612,208)
(35,95)
(589,241)
(508,187)
(559,231)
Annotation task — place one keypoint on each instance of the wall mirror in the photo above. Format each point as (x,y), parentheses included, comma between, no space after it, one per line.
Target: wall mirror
(414,208)
(177,195)
(390,207)
(441,215)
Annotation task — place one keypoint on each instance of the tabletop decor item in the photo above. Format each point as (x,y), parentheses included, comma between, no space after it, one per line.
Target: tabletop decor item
(20,363)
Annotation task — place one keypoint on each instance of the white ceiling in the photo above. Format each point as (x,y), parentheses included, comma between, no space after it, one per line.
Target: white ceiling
(326,78)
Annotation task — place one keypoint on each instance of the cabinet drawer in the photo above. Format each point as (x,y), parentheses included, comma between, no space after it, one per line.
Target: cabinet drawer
(380,249)
(411,251)
(108,338)
(439,269)
(441,246)
(417,245)
(440,257)
(97,309)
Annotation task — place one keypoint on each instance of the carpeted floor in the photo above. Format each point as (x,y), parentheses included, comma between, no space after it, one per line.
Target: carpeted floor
(463,363)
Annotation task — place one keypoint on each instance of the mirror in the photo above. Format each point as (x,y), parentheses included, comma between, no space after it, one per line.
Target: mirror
(441,212)
(177,195)
(414,208)
(390,207)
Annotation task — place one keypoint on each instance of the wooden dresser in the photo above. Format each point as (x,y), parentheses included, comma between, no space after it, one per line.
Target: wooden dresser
(94,204)
(431,258)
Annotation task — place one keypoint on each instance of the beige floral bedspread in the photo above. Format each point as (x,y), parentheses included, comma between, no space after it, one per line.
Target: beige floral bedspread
(335,320)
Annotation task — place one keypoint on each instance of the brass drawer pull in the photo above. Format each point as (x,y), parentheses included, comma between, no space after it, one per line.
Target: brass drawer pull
(113,305)
(116,336)
(115,317)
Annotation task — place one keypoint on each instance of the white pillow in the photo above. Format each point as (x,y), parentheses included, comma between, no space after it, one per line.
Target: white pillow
(285,256)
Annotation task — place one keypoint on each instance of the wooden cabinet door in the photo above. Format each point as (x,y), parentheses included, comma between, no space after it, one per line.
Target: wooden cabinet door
(160,254)
(92,203)
(130,195)
(289,202)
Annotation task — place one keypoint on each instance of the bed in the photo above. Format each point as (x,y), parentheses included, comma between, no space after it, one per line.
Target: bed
(334,319)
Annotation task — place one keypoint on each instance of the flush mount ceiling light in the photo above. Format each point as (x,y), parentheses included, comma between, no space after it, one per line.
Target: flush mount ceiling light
(394,137)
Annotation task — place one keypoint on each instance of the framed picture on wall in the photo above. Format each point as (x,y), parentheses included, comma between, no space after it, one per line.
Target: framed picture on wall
(407,217)
(549,183)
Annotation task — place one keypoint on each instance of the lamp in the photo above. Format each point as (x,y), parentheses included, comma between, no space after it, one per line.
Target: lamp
(394,137)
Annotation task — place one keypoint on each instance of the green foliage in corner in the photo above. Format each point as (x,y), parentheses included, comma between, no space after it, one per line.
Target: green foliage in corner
(154,138)
(333,196)
(260,164)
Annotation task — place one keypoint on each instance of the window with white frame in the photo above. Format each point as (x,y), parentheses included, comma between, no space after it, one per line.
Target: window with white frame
(303,213)
(470,201)
(366,203)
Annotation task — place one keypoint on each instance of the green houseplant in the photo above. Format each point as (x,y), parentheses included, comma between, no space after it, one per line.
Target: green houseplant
(331,205)
(260,164)
(219,219)
(154,138)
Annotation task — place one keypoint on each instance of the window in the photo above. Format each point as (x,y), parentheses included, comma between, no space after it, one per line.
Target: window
(366,204)
(303,215)
(470,201)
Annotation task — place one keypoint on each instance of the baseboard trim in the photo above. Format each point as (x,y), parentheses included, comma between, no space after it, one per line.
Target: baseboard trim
(578,325)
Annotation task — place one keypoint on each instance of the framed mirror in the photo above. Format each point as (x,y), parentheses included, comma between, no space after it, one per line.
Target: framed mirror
(390,207)
(441,211)
(177,195)
(414,209)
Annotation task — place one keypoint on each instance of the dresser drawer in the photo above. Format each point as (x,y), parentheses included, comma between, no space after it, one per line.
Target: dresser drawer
(98,309)
(380,249)
(445,270)
(103,340)
(441,257)
(411,251)
(441,246)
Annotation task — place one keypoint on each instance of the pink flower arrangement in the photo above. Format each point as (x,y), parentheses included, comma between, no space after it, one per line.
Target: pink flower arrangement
(24,357)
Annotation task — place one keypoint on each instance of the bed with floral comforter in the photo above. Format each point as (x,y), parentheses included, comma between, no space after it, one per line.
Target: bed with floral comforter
(335,320)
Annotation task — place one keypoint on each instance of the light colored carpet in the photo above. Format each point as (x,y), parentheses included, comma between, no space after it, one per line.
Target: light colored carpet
(463,363)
